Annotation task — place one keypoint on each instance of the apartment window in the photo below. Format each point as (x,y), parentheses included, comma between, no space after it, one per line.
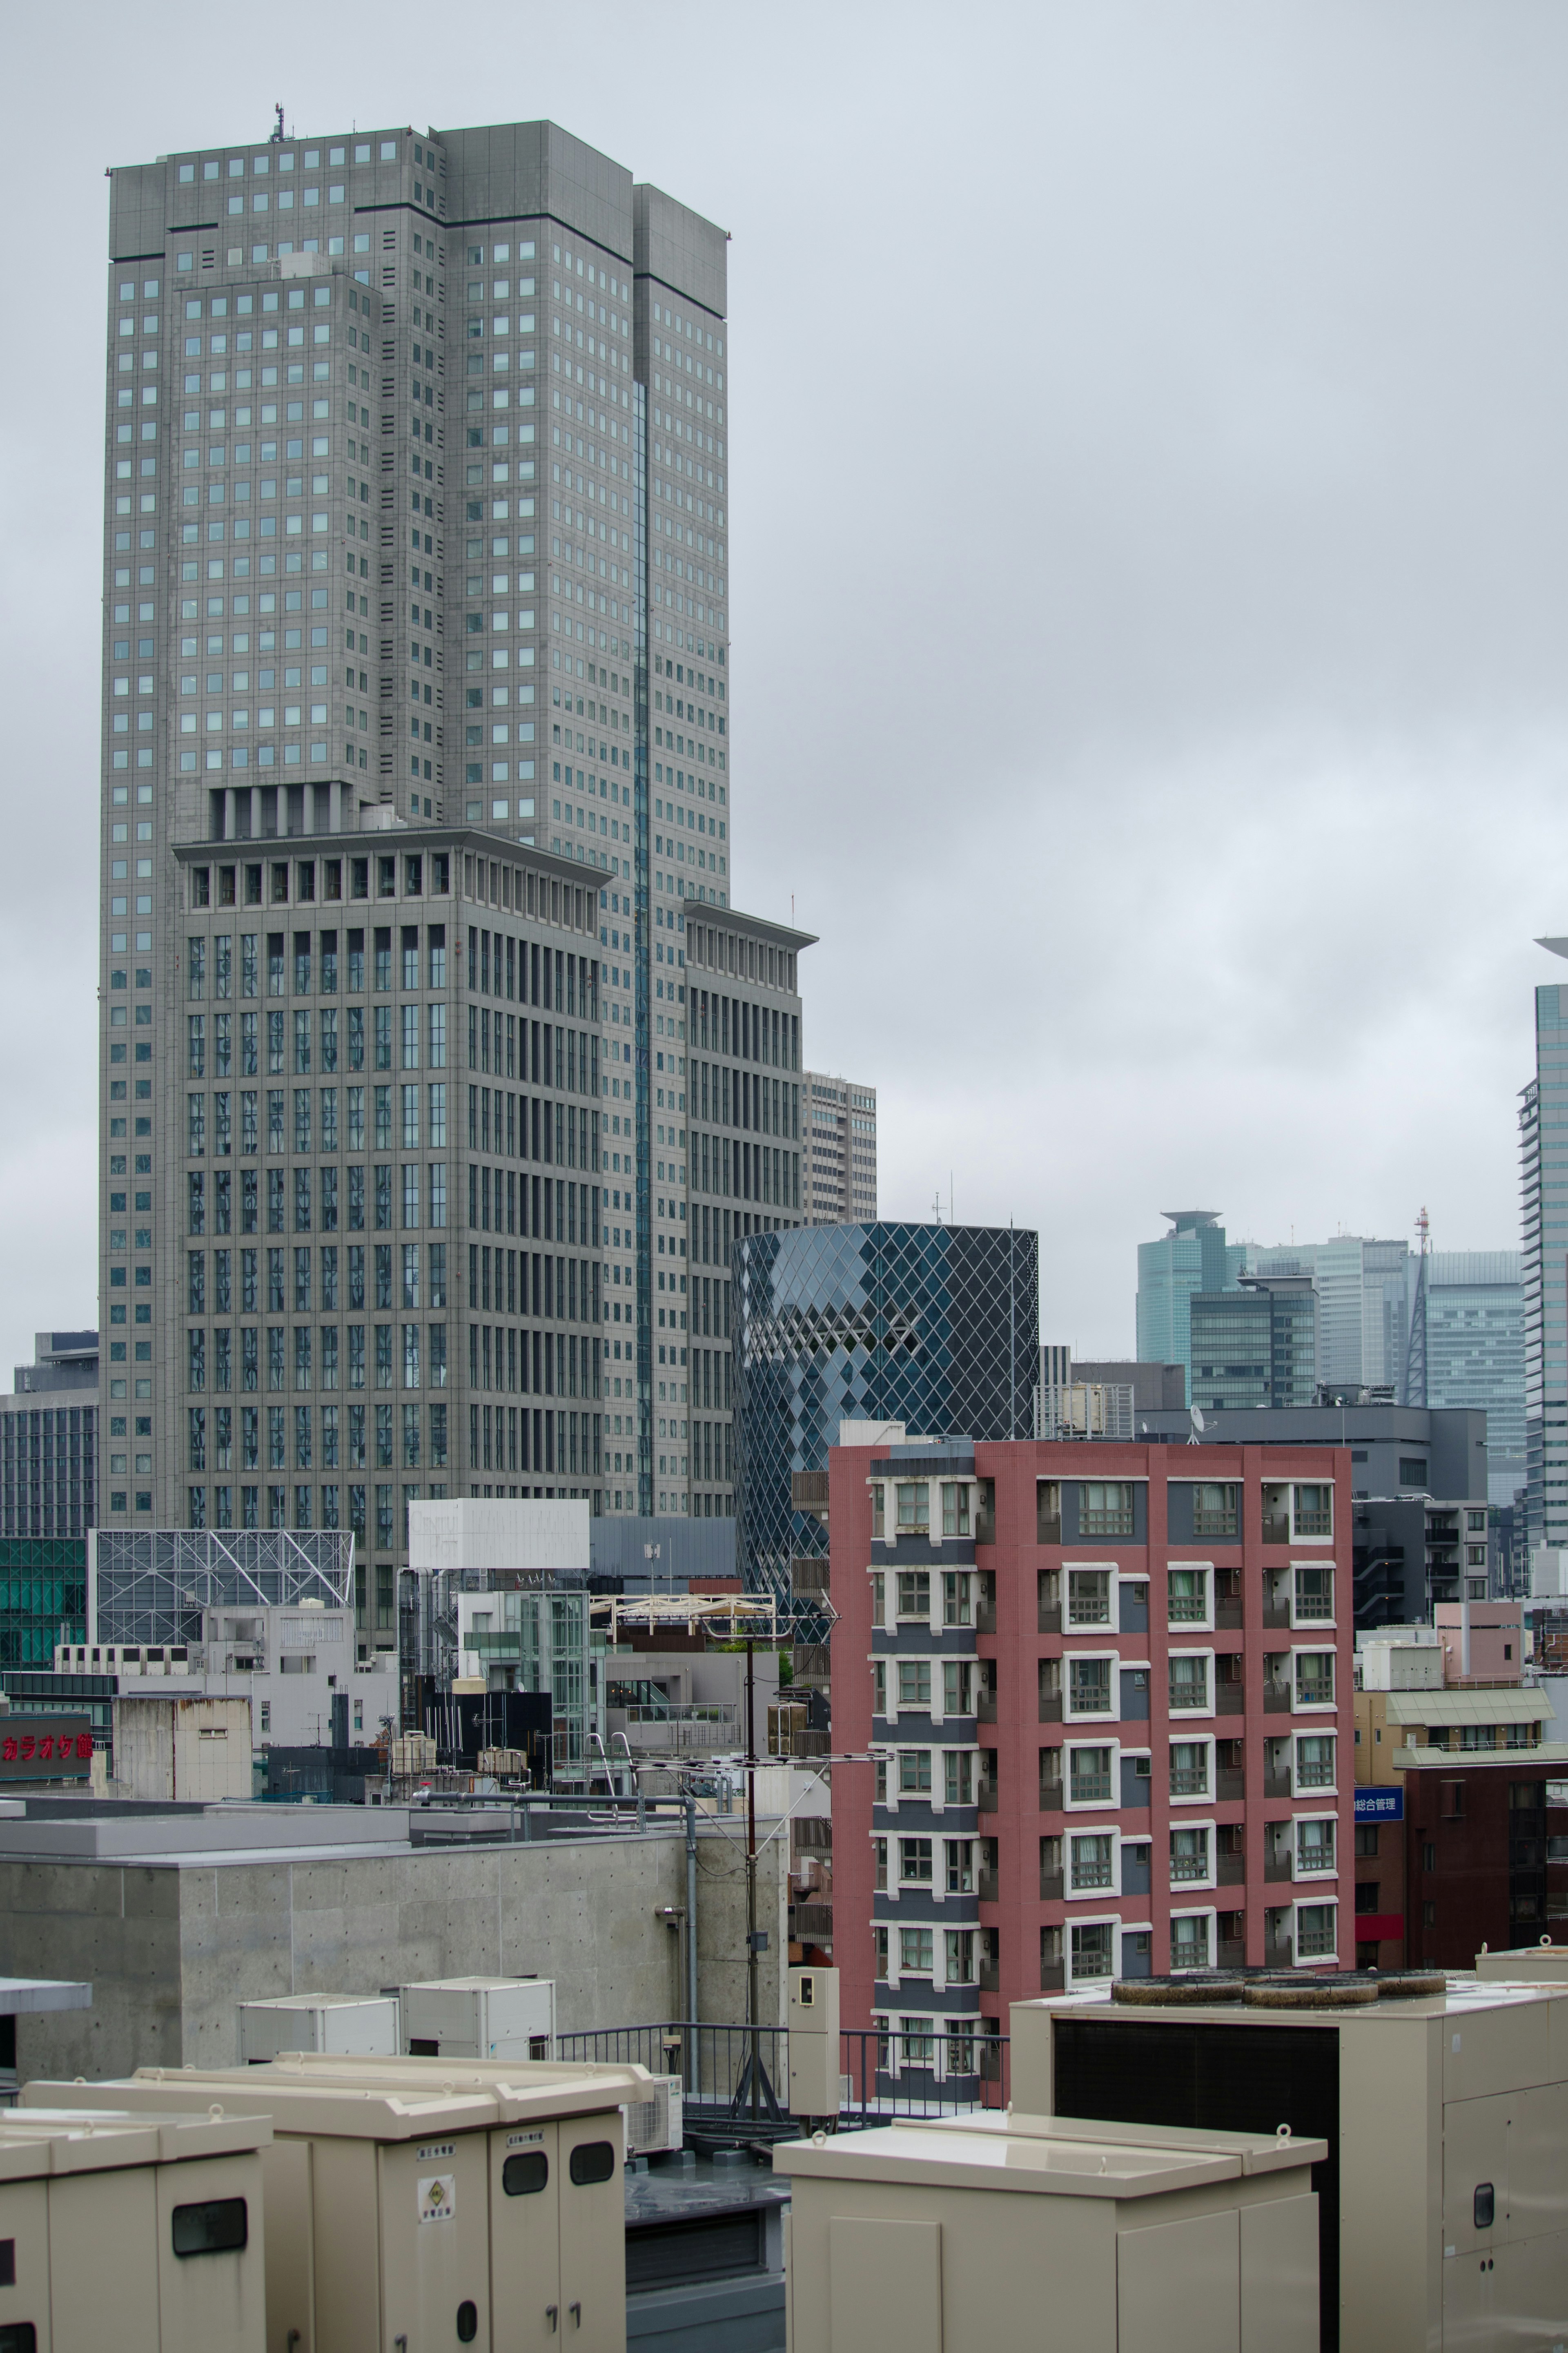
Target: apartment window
(1089,1777)
(1092,1949)
(956,1696)
(956,1517)
(955,1596)
(1314,1511)
(914,1862)
(1216,1509)
(1187,1597)
(1314,1678)
(914,1772)
(1315,1596)
(1189,1768)
(1316,1930)
(1411,1470)
(1088,1686)
(1093,1863)
(958,1777)
(914,1683)
(1315,1765)
(1189,1856)
(960,1866)
(1366,1840)
(879,1865)
(1189,1679)
(914,1593)
(1190,1942)
(917,2044)
(878,1516)
(1089,1597)
(1315,1845)
(878,1687)
(1105,1507)
(914,1507)
(960,1956)
(915,1953)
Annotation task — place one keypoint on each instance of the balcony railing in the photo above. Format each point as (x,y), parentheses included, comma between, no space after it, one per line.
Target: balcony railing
(1314,1608)
(1051,1793)
(985,1705)
(1277,1527)
(1188,1867)
(1230,1783)
(1225,1525)
(1090,1788)
(1190,1781)
(1053,1977)
(1277,1616)
(989,1887)
(1050,1707)
(1315,1944)
(1277,1866)
(986,1617)
(1230,1699)
(1086,1614)
(1314,1861)
(1105,1524)
(1088,1876)
(990,1978)
(1314,1691)
(1187,1610)
(1232,1870)
(1227,1616)
(1314,1776)
(1277,1699)
(1049,1616)
(1315,1523)
(1277,1785)
(1052,1887)
(984,1797)
(1047,1528)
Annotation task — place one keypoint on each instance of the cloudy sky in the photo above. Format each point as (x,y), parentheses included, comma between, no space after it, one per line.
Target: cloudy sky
(1148,550)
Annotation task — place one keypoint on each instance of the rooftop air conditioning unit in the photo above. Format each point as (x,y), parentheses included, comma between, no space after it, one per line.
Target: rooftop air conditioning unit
(655,2123)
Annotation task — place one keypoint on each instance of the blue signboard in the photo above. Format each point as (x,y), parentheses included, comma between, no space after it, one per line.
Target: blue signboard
(1380,1805)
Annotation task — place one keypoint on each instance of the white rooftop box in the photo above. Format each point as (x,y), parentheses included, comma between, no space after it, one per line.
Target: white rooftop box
(360,2024)
(480,2018)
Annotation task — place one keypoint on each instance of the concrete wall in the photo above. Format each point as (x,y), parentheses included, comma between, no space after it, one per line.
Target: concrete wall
(171,1947)
(176,1748)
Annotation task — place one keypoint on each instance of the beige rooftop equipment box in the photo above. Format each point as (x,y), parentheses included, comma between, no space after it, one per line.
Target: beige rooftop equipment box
(1542,1964)
(341,2023)
(404,2205)
(142,2232)
(1015,2235)
(1443,2196)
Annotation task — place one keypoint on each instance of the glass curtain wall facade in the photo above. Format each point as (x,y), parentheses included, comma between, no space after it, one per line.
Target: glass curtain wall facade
(43,1598)
(1192,1257)
(1475,1352)
(936,1326)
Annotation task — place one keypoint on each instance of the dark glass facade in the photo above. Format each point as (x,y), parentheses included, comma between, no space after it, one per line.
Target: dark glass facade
(936,1326)
(43,1598)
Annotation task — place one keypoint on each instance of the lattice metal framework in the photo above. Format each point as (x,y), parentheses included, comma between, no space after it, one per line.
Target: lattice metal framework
(936,1326)
(151,1585)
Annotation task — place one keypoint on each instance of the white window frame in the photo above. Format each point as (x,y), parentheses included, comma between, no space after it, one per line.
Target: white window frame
(1092,1894)
(1198,1912)
(1110,1920)
(1106,1568)
(1113,1714)
(940,1754)
(1093,1805)
(1189,1714)
(896,1659)
(1321,1788)
(1330,1484)
(1185,1886)
(1316,1878)
(896,1971)
(1317,1707)
(1204,1740)
(1316,1625)
(922,1886)
(1203,1625)
(1313,1960)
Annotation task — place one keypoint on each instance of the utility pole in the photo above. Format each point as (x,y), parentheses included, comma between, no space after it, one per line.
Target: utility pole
(752,2004)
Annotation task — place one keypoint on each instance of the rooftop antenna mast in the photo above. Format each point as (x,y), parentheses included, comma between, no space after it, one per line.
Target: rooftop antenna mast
(275,138)
(1416,1349)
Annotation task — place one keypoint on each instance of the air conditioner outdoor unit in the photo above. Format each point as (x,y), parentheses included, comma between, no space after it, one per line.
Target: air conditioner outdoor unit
(656,2121)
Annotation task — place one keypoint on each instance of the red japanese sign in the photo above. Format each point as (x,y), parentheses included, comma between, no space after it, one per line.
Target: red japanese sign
(45,1747)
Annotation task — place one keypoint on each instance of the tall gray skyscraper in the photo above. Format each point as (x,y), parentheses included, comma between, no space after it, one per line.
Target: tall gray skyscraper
(440,1073)
(838,1151)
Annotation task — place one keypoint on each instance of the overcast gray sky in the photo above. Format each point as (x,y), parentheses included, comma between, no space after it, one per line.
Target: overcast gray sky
(1149,553)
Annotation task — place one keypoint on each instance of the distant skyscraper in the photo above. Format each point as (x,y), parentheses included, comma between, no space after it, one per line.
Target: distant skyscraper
(1475,1352)
(838,1164)
(48,1434)
(439,1074)
(1194,1256)
(1543,1187)
(1256,1345)
(1363,1289)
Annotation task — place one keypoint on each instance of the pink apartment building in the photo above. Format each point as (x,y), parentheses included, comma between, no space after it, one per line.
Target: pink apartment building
(1098,1689)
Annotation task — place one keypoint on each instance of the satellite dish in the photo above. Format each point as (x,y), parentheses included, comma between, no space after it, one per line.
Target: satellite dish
(1197,1412)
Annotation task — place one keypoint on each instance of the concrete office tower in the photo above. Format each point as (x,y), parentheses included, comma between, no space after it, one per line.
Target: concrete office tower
(49,1436)
(1543,1192)
(840,1157)
(416,808)
(1194,1256)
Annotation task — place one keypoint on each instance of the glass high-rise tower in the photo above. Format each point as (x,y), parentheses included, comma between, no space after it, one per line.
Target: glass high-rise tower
(440,1073)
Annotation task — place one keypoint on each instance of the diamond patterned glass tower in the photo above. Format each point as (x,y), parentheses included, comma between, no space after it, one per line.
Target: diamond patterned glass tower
(936,1326)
